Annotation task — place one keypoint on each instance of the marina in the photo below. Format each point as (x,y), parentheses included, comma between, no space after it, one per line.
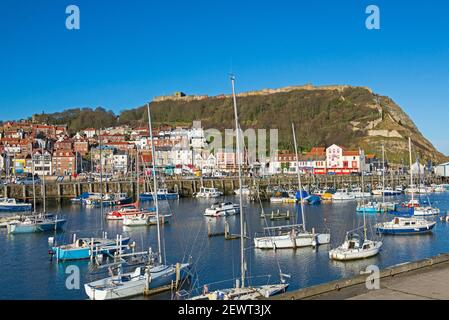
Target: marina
(187,236)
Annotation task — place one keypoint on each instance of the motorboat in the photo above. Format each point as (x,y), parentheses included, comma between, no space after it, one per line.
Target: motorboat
(342,195)
(400,226)
(223,209)
(208,193)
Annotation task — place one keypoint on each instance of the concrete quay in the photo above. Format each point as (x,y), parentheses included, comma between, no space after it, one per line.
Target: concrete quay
(427,279)
(186,187)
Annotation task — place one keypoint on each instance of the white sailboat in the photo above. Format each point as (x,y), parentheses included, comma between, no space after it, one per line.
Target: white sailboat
(241,291)
(293,236)
(155,274)
(355,248)
(400,226)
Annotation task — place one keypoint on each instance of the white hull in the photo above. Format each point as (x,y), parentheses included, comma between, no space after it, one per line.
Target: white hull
(426,211)
(354,254)
(286,241)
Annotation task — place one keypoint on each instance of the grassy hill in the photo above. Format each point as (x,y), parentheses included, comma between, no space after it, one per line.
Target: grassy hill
(347,116)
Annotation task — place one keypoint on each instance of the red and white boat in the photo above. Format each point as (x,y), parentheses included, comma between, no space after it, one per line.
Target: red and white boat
(128,211)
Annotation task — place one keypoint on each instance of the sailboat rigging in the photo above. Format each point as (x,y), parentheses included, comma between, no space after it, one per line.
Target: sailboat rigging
(292,236)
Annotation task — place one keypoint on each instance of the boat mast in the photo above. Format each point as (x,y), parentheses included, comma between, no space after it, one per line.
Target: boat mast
(242,237)
(43,184)
(137,177)
(383,174)
(362,160)
(101,182)
(299,178)
(153,156)
(34,186)
(411,167)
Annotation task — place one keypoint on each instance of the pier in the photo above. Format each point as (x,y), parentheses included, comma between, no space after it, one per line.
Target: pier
(427,279)
(187,187)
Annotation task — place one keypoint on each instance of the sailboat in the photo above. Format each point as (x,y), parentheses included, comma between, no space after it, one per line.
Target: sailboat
(241,291)
(407,225)
(426,211)
(355,248)
(37,222)
(292,236)
(378,207)
(155,274)
(85,248)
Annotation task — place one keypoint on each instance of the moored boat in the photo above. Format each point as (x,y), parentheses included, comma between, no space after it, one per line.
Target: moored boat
(11,205)
(162,194)
(403,226)
(223,209)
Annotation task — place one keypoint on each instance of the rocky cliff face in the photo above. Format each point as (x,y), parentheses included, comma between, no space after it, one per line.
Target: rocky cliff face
(349,116)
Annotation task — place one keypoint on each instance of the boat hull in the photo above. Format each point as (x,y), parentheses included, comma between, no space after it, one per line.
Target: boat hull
(15,208)
(68,254)
(35,228)
(354,255)
(286,242)
(160,277)
(405,231)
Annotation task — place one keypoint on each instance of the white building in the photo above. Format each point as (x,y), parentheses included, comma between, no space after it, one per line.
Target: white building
(120,163)
(42,163)
(442,170)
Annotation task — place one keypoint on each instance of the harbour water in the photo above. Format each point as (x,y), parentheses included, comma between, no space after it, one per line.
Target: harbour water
(27,272)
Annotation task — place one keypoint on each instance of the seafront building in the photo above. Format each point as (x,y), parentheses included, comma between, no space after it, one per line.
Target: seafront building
(179,150)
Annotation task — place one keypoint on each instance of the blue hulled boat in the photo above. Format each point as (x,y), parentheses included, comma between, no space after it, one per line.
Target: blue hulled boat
(35,224)
(80,248)
(11,205)
(162,194)
(405,226)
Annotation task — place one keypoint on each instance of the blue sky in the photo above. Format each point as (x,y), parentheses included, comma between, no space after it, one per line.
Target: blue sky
(127,52)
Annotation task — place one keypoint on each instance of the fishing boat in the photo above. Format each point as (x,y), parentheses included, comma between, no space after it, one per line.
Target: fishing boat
(342,195)
(354,248)
(84,248)
(155,274)
(208,193)
(403,226)
(11,205)
(35,224)
(241,291)
(223,209)
(162,194)
(291,236)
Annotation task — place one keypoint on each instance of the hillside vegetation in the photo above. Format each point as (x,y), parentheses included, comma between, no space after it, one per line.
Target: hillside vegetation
(347,116)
